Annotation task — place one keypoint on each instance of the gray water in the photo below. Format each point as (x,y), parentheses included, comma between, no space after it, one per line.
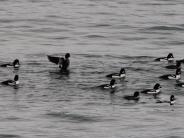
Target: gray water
(102,36)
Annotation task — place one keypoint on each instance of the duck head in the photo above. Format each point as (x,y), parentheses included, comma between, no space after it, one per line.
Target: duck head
(16,63)
(157,86)
(112,82)
(170,56)
(172,99)
(67,55)
(178,73)
(122,71)
(136,94)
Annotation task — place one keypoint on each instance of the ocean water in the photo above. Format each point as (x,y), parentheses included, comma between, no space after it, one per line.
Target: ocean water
(102,36)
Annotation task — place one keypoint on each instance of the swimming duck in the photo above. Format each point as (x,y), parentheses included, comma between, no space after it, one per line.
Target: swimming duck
(15,64)
(170,57)
(177,66)
(171,101)
(180,84)
(155,90)
(111,85)
(121,74)
(14,82)
(62,62)
(175,76)
(134,97)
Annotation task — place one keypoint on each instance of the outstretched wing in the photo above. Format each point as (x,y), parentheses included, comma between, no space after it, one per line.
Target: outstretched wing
(54,59)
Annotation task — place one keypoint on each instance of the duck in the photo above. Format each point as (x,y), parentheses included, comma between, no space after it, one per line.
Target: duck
(111,85)
(177,66)
(180,84)
(169,57)
(10,82)
(175,76)
(134,97)
(15,64)
(171,101)
(121,74)
(155,90)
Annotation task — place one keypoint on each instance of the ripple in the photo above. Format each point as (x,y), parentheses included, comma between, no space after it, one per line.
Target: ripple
(100,25)
(95,36)
(77,118)
(174,137)
(165,28)
(9,136)
(158,4)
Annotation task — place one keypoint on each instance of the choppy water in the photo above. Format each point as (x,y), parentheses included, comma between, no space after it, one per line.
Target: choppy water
(102,36)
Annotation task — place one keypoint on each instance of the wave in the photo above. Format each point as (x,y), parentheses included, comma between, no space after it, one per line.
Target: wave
(165,28)
(73,117)
(9,136)
(95,36)
(99,25)
(158,4)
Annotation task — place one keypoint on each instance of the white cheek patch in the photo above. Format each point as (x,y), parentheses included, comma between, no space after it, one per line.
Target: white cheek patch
(16,82)
(113,86)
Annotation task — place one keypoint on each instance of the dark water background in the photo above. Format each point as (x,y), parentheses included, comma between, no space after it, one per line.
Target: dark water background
(102,36)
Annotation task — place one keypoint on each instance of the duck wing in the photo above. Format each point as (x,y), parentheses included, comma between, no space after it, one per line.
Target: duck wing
(160,58)
(147,91)
(112,74)
(128,97)
(54,59)
(165,77)
(104,86)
